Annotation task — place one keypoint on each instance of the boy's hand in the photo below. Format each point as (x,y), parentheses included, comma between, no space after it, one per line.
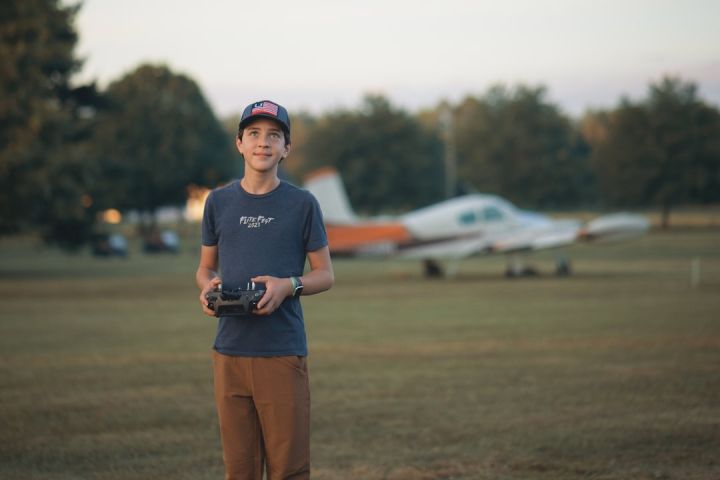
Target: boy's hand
(210,286)
(276,290)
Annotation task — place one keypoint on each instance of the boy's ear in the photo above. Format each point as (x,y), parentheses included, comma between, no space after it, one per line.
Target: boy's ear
(238,144)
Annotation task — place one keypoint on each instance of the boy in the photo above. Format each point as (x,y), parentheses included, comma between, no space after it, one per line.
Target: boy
(261,229)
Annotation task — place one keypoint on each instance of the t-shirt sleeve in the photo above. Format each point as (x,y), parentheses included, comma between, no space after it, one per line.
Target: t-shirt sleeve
(209,235)
(314,235)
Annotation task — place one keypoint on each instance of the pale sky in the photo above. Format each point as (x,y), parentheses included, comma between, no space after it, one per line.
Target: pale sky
(318,55)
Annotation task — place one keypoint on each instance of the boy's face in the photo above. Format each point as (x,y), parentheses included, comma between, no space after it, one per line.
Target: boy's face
(262,145)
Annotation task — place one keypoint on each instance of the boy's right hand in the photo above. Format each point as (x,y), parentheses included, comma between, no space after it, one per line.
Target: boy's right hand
(209,287)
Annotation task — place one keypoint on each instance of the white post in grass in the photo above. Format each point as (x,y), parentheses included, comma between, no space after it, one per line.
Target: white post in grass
(695,272)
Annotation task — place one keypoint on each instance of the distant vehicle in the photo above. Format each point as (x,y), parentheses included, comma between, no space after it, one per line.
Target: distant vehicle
(449,231)
(166,241)
(104,245)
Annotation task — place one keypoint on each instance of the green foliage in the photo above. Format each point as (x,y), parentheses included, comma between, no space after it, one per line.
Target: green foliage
(158,136)
(516,144)
(296,164)
(389,161)
(67,151)
(663,150)
(42,165)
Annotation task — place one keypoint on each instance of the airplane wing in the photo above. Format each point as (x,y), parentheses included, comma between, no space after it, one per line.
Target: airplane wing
(544,233)
(614,227)
(448,249)
(536,232)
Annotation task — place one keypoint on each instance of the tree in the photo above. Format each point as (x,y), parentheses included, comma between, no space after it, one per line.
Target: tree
(45,123)
(158,137)
(302,127)
(386,158)
(516,144)
(662,151)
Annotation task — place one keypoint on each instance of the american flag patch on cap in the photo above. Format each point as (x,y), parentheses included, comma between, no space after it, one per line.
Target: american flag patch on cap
(265,107)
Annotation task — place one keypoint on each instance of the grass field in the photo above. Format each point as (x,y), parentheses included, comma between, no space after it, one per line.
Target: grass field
(613,373)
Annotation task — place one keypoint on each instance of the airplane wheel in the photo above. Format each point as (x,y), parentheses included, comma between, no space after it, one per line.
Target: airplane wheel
(432,269)
(523,272)
(562,269)
(529,272)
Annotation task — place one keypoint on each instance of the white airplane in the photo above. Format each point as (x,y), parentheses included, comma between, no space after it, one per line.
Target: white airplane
(454,229)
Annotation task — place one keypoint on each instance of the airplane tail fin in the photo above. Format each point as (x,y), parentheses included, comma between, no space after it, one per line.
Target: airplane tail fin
(326,185)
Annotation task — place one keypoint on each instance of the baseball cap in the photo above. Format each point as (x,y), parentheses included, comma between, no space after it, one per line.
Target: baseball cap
(265,109)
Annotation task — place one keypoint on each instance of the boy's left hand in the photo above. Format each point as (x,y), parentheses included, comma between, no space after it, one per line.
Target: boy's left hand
(276,290)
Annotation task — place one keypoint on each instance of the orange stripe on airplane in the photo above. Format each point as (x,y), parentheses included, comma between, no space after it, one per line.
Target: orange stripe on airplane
(320,172)
(351,237)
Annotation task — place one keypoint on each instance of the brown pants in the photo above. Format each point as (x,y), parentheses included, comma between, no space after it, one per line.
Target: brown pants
(263,405)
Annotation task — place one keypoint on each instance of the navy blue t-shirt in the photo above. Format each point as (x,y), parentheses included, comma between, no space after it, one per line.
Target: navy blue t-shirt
(256,235)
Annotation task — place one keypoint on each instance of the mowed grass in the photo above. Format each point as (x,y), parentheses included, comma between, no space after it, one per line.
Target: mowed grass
(612,373)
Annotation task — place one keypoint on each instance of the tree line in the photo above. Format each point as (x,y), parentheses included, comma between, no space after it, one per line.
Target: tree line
(68,151)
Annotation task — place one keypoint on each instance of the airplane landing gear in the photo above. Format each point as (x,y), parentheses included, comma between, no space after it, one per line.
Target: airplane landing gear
(526,271)
(516,267)
(432,269)
(562,267)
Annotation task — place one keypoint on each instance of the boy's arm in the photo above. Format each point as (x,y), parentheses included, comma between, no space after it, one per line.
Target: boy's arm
(206,275)
(321,276)
(318,279)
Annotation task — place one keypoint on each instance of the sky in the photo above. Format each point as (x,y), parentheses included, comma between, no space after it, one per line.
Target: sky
(320,55)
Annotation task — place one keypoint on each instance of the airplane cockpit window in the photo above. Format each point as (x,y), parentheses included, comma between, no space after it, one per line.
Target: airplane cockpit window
(466,218)
(492,214)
